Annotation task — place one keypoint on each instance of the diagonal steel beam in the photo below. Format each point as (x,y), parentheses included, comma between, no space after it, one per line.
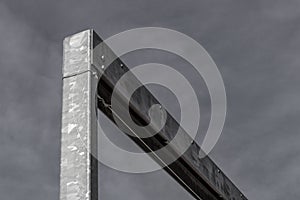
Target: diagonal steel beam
(201,177)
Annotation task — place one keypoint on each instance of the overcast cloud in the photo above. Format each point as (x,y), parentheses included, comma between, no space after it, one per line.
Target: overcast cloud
(255,44)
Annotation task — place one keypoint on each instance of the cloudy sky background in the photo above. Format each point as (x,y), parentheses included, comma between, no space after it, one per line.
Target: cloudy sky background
(255,44)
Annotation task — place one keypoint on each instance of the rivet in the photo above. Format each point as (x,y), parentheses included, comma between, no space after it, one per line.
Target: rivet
(102,57)
(102,66)
(95,74)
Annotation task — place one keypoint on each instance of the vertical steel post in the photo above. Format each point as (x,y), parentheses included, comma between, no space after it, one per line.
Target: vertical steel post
(79,177)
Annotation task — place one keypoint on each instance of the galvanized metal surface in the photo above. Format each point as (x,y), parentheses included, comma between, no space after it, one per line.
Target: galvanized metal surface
(79,176)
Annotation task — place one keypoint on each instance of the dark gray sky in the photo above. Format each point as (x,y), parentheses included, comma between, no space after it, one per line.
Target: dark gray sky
(255,44)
